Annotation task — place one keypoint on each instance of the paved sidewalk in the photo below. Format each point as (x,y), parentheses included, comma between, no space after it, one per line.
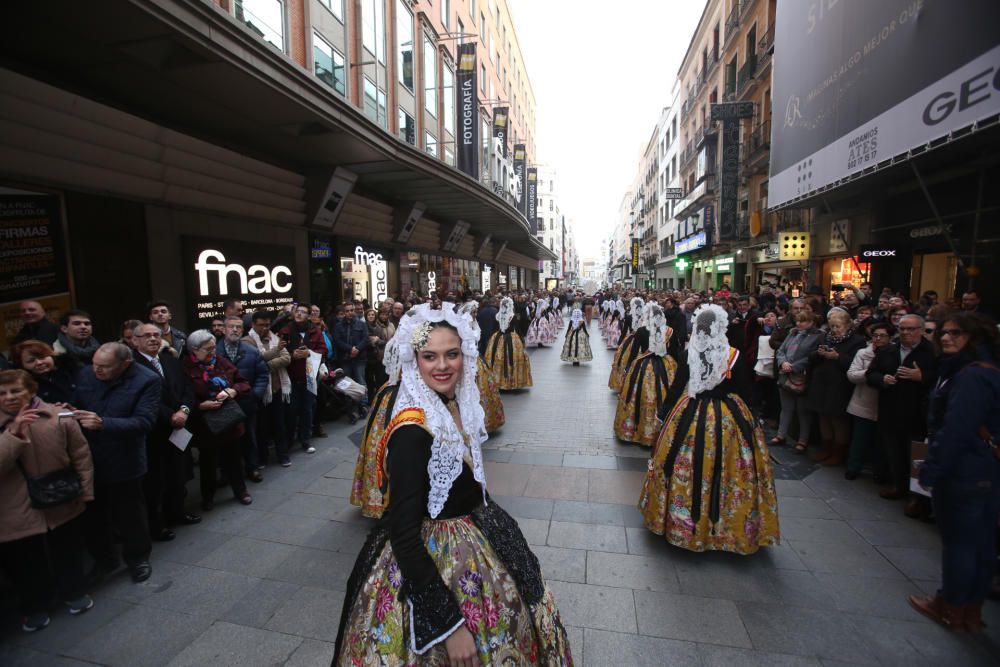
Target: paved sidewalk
(264,585)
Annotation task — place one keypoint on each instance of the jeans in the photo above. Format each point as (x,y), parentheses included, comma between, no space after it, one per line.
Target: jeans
(303,407)
(862,442)
(355,370)
(121,507)
(967,518)
(40,566)
(794,404)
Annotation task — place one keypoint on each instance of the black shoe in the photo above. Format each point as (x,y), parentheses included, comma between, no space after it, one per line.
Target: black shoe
(191,519)
(165,535)
(256,477)
(141,571)
(353,418)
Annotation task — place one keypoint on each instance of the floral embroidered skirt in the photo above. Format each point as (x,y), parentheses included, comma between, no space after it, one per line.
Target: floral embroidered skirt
(614,333)
(624,355)
(709,484)
(576,347)
(506,631)
(365,492)
(537,333)
(508,361)
(489,397)
(648,383)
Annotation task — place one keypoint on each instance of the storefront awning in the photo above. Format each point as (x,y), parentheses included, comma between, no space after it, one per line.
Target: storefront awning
(188,66)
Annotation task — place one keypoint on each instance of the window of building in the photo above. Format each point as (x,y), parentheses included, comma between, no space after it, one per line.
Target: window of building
(448,98)
(482,77)
(264,17)
(430,77)
(336,7)
(550,204)
(449,156)
(404,44)
(446,13)
(472,7)
(430,144)
(460,29)
(482,28)
(375,103)
(328,65)
(407,128)
(373,27)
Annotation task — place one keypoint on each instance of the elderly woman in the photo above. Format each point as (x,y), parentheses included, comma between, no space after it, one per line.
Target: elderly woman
(215,381)
(829,388)
(55,375)
(792,361)
(41,549)
(863,406)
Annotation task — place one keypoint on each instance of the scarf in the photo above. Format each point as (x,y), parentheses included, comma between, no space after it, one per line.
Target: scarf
(832,340)
(283,379)
(207,369)
(82,352)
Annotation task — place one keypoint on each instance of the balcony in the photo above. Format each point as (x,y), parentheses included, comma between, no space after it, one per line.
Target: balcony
(745,7)
(729,92)
(758,147)
(733,22)
(746,74)
(688,154)
(713,62)
(708,133)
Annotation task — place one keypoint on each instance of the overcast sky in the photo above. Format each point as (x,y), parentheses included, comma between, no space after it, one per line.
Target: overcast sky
(601,72)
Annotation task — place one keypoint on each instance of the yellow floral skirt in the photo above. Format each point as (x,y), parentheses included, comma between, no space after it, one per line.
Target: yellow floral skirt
(508,361)
(489,397)
(645,391)
(624,356)
(365,492)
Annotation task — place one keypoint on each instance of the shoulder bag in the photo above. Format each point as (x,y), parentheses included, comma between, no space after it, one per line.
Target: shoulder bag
(52,489)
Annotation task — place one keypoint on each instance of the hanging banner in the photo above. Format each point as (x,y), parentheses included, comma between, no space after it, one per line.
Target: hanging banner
(533,199)
(31,247)
(500,128)
(519,176)
(730,114)
(468,125)
(635,256)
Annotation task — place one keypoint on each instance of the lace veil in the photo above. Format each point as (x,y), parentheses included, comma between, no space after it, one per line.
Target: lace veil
(656,322)
(506,313)
(708,351)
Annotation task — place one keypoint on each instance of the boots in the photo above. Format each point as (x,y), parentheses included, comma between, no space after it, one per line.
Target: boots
(936,609)
(838,454)
(824,452)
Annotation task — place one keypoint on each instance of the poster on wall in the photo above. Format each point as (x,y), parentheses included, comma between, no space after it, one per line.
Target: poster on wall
(261,275)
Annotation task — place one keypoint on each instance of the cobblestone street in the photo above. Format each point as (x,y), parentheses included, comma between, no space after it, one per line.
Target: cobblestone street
(263,585)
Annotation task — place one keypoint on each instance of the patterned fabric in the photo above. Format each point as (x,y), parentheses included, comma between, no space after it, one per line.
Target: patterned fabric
(709,484)
(508,361)
(404,417)
(613,331)
(365,492)
(576,347)
(624,356)
(507,629)
(489,396)
(646,389)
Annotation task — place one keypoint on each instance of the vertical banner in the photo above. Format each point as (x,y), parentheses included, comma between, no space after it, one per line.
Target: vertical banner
(519,175)
(468,130)
(635,257)
(730,114)
(533,199)
(500,128)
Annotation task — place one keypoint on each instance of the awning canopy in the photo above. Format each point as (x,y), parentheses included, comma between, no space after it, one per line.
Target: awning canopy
(189,66)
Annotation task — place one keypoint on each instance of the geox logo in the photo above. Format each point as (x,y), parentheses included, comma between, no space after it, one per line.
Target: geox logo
(879,253)
(468,62)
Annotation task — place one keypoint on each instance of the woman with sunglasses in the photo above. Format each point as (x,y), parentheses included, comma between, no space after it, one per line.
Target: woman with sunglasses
(962,470)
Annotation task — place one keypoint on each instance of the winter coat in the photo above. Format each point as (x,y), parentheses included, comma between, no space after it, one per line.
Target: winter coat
(205,390)
(829,388)
(384,332)
(797,349)
(128,406)
(351,333)
(864,400)
(904,404)
(311,337)
(59,385)
(276,358)
(250,364)
(50,444)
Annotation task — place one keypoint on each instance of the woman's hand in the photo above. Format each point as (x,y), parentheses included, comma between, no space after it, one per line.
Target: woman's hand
(226,394)
(462,649)
(786,367)
(25,418)
(210,404)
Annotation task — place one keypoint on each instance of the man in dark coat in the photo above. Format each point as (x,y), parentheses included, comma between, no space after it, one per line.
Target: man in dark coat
(352,341)
(677,322)
(301,338)
(744,331)
(36,326)
(904,373)
(250,364)
(487,318)
(522,318)
(164,484)
(117,402)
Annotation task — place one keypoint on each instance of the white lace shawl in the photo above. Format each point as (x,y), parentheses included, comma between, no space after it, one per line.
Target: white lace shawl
(576,318)
(708,351)
(554,302)
(635,307)
(449,447)
(540,307)
(620,308)
(506,313)
(657,325)
(390,358)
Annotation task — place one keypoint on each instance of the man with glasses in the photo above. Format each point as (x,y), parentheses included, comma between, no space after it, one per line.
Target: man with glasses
(250,364)
(904,373)
(160,315)
(302,337)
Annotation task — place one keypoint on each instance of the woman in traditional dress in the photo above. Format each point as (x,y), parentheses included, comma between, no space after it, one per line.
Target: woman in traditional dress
(538,329)
(576,347)
(505,353)
(606,307)
(555,320)
(629,349)
(631,321)
(489,395)
(614,328)
(709,484)
(446,577)
(647,385)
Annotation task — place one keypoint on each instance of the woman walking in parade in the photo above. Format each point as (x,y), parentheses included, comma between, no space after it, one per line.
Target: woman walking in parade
(576,347)
(709,484)
(505,354)
(614,328)
(446,577)
(629,349)
(647,385)
(489,394)
(538,330)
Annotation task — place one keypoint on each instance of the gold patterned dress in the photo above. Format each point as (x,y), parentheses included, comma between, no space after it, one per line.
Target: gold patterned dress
(709,484)
(365,491)
(644,392)
(489,397)
(508,360)
(576,346)
(628,350)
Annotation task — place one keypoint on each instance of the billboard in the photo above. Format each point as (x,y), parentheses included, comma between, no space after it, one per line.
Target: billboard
(857,83)
(467,111)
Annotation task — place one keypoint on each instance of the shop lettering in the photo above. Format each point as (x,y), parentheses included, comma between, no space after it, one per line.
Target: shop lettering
(258,279)
(879,253)
(467,112)
(972,91)
(486,278)
(380,285)
(365,258)
(431,282)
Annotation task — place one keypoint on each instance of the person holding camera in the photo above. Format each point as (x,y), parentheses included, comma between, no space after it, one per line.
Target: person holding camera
(41,549)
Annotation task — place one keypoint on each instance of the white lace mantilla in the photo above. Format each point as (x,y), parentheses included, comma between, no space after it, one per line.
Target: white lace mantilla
(708,351)
(635,310)
(506,313)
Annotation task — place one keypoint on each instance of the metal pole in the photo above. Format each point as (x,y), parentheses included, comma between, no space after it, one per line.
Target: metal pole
(937,216)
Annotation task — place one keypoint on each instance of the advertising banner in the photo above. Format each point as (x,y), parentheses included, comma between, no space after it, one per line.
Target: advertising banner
(729,175)
(500,127)
(32,251)
(634,262)
(468,124)
(533,199)
(520,176)
(869,81)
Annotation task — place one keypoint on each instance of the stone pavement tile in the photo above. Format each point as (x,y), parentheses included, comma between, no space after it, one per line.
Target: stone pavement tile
(645,543)
(284,528)
(311,504)
(497,455)
(914,563)
(562,564)
(725,656)
(871,596)
(265,498)
(782,557)
(201,591)
(603,649)
(191,545)
(557,483)
(814,633)
(753,584)
(804,508)
(632,516)
(584,512)
(527,508)
(897,534)
(229,645)
(535,531)
(615,486)
(587,536)
(66,631)
(537,458)
(859,560)
(311,653)
(870,508)
(315,567)
(228,517)
(908,643)
(505,479)
(690,618)
(647,573)
(594,606)
(603,462)
(121,587)
(350,514)
(246,555)
(633,463)
(17,656)
(574,636)
(147,636)
(346,538)
(343,470)
(787,488)
(259,603)
(819,530)
(311,612)
(330,486)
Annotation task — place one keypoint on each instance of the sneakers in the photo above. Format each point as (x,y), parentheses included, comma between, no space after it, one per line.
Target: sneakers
(80,605)
(35,622)
(306,447)
(285,462)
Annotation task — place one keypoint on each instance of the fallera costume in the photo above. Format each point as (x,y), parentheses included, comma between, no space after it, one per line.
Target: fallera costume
(540,330)
(505,353)
(614,330)
(647,385)
(444,554)
(709,484)
(576,347)
(630,347)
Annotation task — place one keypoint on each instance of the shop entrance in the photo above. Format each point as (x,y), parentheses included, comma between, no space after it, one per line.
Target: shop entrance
(937,272)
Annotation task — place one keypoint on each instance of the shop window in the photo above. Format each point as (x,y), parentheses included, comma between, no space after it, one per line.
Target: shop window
(264,17)
(328,65)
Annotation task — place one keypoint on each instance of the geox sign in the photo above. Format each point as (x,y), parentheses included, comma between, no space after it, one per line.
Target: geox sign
(468,125)
(870,252)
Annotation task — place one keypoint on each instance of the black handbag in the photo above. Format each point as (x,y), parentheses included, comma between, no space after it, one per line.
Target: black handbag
(52,489)
(226,417)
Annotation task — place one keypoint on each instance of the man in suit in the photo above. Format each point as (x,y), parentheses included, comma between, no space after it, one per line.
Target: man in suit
(164,484)
(904,373)
(744,331)
(350,338)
